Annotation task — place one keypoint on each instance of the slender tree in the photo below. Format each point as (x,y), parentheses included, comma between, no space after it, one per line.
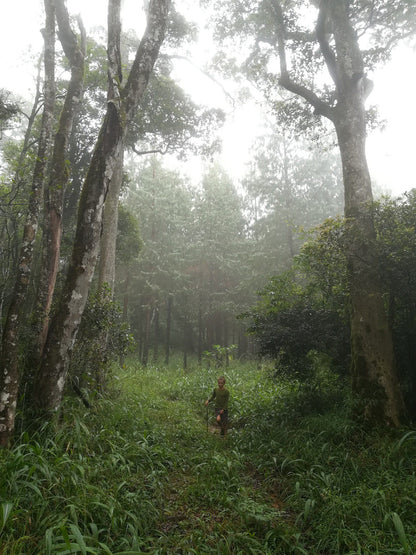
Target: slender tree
(291,186)
(9,365)
(59,173)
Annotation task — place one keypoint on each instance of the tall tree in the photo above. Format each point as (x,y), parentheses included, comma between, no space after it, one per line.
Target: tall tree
(217,252)
(291,185)
(9,365)
(162,202)
(122,104)
(285,33)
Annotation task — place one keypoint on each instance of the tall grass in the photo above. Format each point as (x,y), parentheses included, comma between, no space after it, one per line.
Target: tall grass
(144,472)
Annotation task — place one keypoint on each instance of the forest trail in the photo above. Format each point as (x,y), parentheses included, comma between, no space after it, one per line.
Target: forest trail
(213,489)
(142,474)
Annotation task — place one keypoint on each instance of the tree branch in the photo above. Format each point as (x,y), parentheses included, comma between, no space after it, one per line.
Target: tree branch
(155,151)
(146,55)
(326,50)
(211,77)
(320,107)
(113,51)
(66,35)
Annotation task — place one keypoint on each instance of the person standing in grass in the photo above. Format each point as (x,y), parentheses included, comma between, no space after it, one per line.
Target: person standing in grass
(221,396)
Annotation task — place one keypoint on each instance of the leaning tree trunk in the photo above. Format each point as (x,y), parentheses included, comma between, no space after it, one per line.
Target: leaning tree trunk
(121,107)
(9,364)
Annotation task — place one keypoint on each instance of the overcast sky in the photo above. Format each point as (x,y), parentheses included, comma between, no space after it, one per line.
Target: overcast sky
(390,152)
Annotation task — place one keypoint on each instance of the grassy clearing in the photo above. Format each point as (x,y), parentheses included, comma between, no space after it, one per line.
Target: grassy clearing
(140,473)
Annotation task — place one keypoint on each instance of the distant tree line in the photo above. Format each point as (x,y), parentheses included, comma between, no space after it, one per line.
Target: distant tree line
(208,248)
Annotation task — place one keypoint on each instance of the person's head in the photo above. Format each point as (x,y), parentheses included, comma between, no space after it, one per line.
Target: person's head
(221,382)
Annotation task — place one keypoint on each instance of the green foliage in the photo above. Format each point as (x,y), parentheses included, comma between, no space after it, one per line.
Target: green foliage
(290,321)
(170,122)
(129,241)
(220,355)
(396,237)
(323,262)
(103,338)
(141,474)
(9,109)
(308,308)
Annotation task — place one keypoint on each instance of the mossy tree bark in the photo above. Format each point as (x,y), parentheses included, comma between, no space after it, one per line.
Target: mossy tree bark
(107,262)
(107,259)
(9,362)
(121,107)
(374,376)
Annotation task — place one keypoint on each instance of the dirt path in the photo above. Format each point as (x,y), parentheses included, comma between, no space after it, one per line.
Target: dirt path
(214,494)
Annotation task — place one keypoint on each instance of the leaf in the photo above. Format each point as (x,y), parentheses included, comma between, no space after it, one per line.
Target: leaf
(411,434)
(398,524)
(6,509)
(79,537)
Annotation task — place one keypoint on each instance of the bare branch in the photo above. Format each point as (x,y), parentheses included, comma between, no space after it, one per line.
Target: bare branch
(206,73)
(320,107)
(321,35)
(154,151)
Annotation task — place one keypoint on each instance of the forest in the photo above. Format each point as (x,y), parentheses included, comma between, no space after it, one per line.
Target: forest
(130,283)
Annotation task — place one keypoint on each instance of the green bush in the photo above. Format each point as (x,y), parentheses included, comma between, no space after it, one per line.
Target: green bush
(103,338)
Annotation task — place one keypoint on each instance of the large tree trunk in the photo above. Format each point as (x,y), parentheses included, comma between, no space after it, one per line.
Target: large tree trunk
(122,104)
(9,367)
(373,368)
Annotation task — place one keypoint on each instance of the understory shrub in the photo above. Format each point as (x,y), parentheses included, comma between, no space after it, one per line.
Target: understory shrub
(103,338)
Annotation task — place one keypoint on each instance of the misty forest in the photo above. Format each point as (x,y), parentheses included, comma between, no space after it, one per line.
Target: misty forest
(136,269)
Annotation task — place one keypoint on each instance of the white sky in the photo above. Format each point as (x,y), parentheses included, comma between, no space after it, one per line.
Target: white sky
(390,152)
